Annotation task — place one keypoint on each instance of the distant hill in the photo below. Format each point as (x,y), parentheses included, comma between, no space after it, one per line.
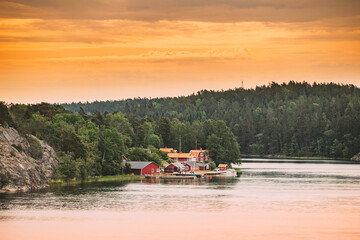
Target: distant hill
(295,119)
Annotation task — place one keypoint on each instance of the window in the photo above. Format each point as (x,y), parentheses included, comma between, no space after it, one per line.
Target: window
(152,170)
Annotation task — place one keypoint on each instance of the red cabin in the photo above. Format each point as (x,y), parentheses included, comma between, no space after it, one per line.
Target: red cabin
(144,168)
(174,167)
(223,167)
(203,166)
(190,166)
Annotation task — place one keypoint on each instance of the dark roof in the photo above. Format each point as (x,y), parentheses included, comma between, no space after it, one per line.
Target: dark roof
(176,164)
(193,164)
(190,163)
(202,164)
(139,165)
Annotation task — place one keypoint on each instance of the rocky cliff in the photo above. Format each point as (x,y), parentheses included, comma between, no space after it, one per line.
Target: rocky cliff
(356,157)
(25,162)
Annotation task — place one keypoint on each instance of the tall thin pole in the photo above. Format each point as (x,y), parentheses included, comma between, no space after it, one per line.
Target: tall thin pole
(180,143)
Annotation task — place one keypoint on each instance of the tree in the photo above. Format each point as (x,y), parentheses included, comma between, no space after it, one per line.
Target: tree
(139,154)
(120,123)
(36,150)
(68,169)
(112,148)
(164,126)
(222,144)
(153,140)
(216,151)
(5,118)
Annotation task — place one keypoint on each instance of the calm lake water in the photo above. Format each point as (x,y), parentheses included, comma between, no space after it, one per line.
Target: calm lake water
(270,200)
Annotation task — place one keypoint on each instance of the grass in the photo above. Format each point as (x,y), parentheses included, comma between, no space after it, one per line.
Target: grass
(95,179)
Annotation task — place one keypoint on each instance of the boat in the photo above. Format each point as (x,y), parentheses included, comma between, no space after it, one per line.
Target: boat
(228,173)
(187,174)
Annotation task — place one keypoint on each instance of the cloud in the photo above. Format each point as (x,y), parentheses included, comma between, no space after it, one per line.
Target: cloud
(184,10)
(148,56)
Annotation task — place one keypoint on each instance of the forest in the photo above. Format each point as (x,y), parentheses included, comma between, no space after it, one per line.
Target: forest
(94,144)
(292,119)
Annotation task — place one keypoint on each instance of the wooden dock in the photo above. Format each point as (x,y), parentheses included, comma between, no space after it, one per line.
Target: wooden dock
(177,177)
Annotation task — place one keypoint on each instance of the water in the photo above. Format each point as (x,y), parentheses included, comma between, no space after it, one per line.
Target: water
(271,200)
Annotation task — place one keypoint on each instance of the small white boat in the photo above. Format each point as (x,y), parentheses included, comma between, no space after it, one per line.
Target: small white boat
(228,173)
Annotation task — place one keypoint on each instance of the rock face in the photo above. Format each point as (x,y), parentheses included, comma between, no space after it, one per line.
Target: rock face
(356,157)
(18,170)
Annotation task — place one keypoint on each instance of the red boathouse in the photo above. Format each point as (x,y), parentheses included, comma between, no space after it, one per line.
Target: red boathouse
(144,168)
(174,167)
(223,167)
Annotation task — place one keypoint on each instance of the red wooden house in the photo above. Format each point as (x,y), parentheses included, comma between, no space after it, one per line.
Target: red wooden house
(174,167)
(190,166)
(203,166)
(200,155)
(181,157)
(144,168)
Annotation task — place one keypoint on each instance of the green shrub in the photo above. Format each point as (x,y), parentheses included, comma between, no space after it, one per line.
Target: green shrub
(17,147)
(12,153)
(36,150)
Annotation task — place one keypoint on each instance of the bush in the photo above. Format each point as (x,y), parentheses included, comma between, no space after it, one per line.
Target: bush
(12,153)
(36,150)
(17,147)
(68,169)
(127,169)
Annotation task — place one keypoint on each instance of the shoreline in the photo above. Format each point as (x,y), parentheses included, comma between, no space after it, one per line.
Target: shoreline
(108,178)
(284,157)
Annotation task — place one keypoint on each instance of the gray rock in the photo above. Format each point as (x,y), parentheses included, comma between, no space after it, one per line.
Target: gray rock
(18,170)
(356,157)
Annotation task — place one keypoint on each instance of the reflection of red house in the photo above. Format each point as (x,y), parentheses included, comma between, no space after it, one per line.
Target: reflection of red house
(144,168)
(181,157)
(200,155)
(223,167)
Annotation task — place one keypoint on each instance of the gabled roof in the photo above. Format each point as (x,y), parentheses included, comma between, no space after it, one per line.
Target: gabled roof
(190,163)
(196,152)
(222,165)
(202,164)
(176,164)
(139,165)
(179,155)
(168,150)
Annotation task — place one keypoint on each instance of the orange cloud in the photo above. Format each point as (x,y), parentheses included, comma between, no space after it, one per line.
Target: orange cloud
(59,52)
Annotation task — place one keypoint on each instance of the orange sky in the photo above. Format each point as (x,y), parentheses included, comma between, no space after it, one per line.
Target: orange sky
(63,51)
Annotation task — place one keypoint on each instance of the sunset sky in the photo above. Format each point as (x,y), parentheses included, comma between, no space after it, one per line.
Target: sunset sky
(77,50)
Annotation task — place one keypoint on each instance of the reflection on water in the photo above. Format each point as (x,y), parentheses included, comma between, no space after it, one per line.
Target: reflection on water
(148,194)
(269,201)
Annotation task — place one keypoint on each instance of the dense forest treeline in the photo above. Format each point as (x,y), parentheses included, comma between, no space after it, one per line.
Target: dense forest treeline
(294,119)
(94,144)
